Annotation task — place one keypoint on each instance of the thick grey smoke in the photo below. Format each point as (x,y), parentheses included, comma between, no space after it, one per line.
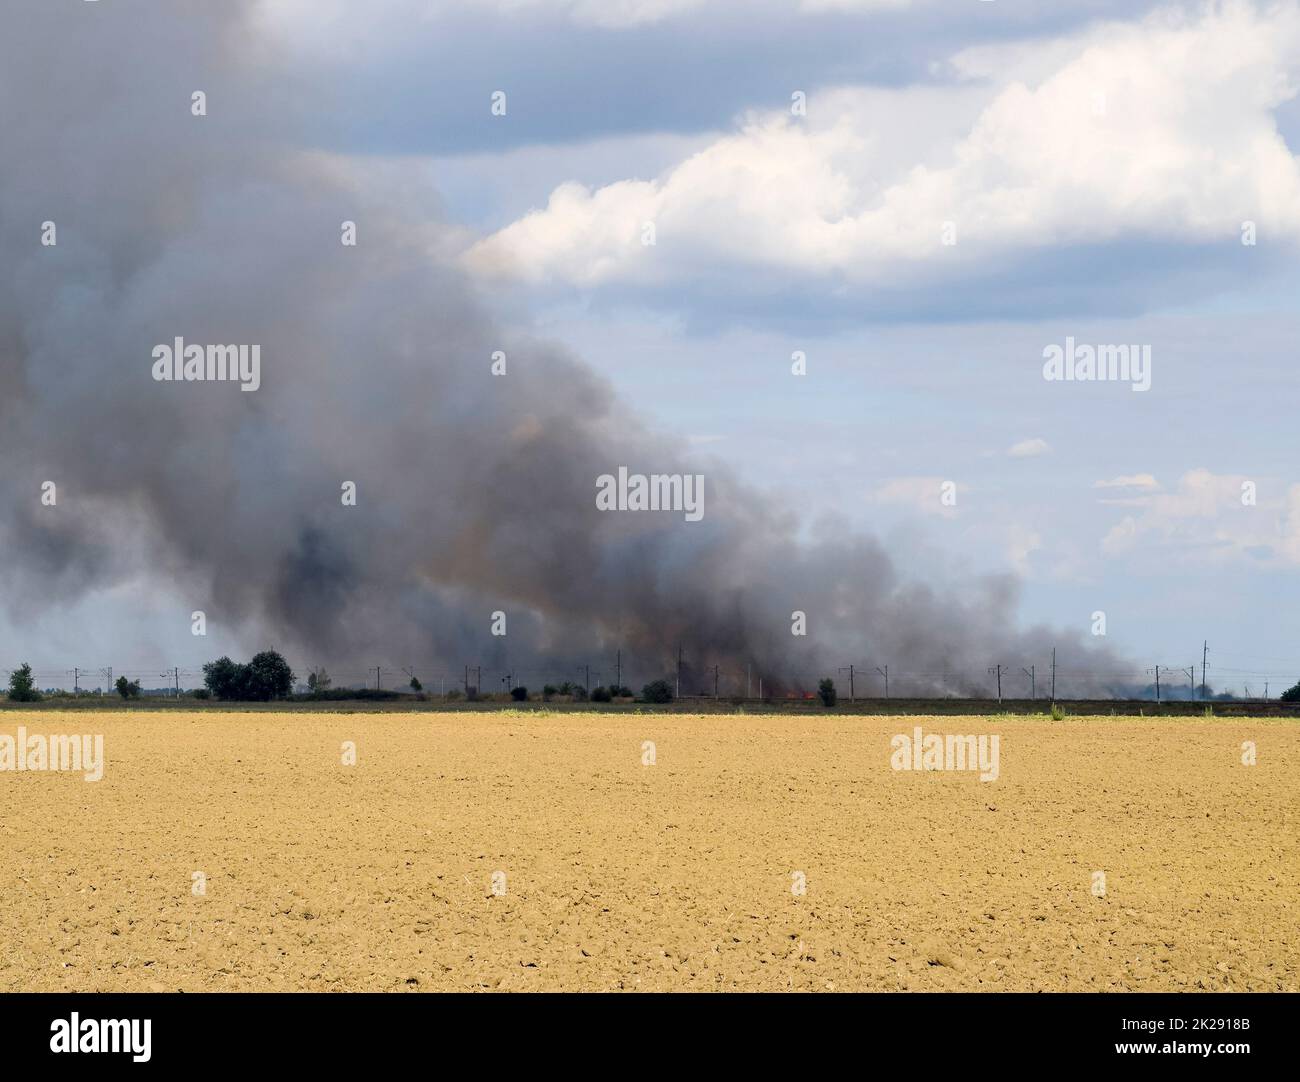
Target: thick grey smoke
(475,492)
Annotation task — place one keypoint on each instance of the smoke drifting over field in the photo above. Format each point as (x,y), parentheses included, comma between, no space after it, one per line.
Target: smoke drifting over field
(475,492)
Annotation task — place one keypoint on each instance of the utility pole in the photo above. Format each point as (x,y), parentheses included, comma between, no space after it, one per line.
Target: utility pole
(76,681)
(998,669)
(1033,687)
(618,671)
(715,681)
(1157,672)
(587,679)
(478,680)
(748,685)
(107,674)
(850,668)
(885,673)
(377,668)
(679,670)
(176,672)
(1205,650)
(467,681)
(1191,681)
(1053,674)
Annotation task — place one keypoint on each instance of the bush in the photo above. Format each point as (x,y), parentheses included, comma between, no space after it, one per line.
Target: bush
(519,694)
(266,677)
(22,687)
(201,693)
(548,691)
(416,685)
(601,695)
(657,691)
(344,694)
(318,680)
(623,692)
(128,689)
(826,692)
(1291,695)
(1057,713)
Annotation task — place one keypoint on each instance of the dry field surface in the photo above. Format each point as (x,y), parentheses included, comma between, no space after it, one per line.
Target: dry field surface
(676,875)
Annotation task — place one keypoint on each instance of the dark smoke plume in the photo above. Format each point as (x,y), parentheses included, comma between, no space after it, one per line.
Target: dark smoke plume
(475,493)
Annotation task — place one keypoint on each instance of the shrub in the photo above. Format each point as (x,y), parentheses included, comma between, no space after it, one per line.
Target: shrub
(826,692)
(266,677)
(1291,695)
(416,685)
(623,692)
(601,695)
(22,687)
(201,693)
(519,694)
(1057,713)
(548,691)
(345,694)
(657,691)
(128,689)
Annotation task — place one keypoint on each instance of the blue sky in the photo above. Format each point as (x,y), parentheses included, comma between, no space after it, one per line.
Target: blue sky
(1100,157)
(920,198)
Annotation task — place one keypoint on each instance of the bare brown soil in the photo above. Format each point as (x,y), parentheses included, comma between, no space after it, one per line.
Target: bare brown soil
(677,875)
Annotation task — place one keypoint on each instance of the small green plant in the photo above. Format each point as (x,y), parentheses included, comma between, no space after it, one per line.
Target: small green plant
(1057,713)
(1208,712)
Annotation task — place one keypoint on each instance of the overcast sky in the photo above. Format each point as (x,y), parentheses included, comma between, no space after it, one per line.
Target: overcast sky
(921,198)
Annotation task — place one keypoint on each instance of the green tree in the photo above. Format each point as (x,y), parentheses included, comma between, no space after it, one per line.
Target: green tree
(128,689)
(267,676)
(22,686)
(1291,695)
(416,685)
(224,678)
(826,692)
